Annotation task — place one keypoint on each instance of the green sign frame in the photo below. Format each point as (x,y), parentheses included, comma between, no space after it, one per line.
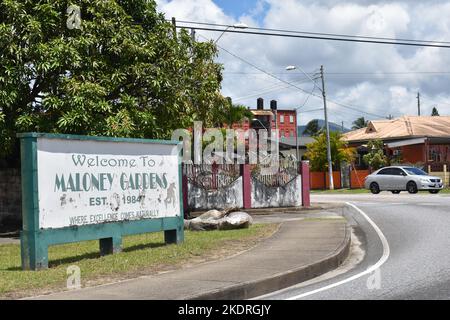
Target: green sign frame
(35,241)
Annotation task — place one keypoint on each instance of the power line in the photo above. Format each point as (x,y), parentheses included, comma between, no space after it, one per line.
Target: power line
(389,73)
(355,108)
(351,73)
(319,33)
(418,43)
(274,88)
(346,73)
(312,110)
(436,102)
(262,70)
(293,85)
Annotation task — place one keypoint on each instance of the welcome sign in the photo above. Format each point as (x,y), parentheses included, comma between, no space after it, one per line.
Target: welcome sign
(88,182)
(97,188)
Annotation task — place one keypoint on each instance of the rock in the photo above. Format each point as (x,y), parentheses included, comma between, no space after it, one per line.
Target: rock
(221,220)
(235,220)
(212,214)
(203,225)
(203,222)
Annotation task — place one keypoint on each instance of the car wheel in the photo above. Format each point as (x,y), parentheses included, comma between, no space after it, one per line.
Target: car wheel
(374,188)
(434,191)
(412,187)
(396,191)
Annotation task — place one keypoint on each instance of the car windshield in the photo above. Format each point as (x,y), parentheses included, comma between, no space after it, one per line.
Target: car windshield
(415,171)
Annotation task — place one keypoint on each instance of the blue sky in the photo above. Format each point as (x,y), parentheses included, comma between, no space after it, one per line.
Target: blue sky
(374,80)
(237,8)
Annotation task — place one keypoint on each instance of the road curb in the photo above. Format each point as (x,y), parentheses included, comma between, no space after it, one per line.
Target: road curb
(248,290)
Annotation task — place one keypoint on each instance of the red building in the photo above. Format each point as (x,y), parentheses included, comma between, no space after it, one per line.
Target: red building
(283,120)
(287,123)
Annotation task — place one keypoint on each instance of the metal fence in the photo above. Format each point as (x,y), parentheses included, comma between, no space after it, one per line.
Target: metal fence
(212,176)
(286,172)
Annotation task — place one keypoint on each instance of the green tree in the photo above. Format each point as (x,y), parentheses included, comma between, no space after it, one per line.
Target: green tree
(233,113)
(312,128)
(435,112)
(317,151)
(375,158)
(126,72)
(359,123)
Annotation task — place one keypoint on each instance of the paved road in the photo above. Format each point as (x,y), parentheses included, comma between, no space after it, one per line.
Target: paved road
(415,258)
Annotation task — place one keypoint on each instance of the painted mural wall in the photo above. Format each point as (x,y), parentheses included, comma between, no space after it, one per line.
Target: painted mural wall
(289,195)
(227,197)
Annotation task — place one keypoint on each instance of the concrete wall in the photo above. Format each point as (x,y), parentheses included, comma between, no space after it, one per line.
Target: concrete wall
(10,200)
(201,199)
(289,195)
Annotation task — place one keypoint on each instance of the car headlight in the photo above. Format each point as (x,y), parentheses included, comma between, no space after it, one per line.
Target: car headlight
(424,180)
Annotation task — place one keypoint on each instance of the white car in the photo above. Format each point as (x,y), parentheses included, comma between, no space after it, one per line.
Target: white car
(402,178)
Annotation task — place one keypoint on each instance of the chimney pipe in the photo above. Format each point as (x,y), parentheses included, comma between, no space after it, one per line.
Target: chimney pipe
(273,105)
(260,104)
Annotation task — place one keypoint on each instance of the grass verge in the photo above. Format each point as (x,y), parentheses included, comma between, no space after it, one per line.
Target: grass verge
(142,255)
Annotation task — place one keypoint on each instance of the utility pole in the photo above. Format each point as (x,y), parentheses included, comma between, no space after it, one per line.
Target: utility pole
(191,59)
(418,103)
(327,127)
(174,27)
(296,138)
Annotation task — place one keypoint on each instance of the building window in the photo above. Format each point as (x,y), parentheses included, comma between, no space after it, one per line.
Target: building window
(435,154)
(281,119)
(291,119)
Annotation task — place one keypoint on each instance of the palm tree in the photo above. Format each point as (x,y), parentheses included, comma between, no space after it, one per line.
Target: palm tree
(229,114)
(235,113)
(340,151)
(359,123)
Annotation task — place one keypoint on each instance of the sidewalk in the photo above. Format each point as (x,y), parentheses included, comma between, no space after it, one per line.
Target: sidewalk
(9,238)
(268,211)
(299,251)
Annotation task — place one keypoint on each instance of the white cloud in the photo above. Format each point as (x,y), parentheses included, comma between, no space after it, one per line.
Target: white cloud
(392,91)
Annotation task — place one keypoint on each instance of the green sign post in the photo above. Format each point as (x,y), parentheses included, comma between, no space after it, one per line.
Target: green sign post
(77,188)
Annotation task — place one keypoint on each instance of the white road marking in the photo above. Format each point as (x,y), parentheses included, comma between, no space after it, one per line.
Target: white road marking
(383,259)
(382,203)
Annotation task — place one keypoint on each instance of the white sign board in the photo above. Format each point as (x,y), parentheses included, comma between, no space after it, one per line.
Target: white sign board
(84,182)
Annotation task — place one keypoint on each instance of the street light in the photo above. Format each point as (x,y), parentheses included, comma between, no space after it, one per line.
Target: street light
(292,68)
(256,119)
(239,25)
(327,127)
